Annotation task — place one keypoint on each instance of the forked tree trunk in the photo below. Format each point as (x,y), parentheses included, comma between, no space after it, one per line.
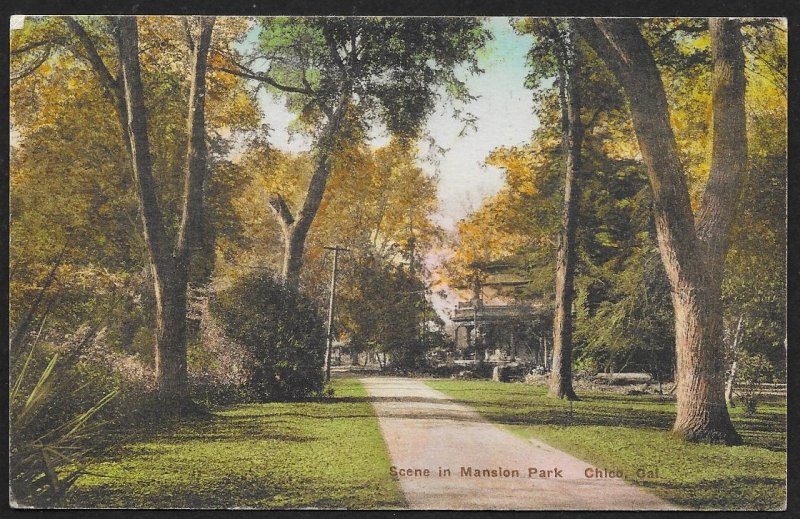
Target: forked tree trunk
(692,250)
(561,374)
(169,267)
(295,230)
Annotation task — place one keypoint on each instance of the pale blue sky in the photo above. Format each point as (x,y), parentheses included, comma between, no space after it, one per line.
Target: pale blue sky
(504,112)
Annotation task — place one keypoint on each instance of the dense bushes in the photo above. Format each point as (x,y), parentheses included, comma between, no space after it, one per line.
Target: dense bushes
(219,371)
(280,329)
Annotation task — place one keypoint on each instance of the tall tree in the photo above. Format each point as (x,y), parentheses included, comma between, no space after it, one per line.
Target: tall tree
(557,52)
(560,36)
(72,181)
(169,265)
(340,73)
(372,195)
(170,268)
(692,248)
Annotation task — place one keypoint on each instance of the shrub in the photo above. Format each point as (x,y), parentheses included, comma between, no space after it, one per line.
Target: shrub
(282,332)
(218,366)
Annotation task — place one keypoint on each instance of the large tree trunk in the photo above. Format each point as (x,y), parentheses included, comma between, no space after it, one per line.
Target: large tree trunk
(170,333)
(169,268)
(293,249)
(561,374)
(170,340)
(693,252)
(701,411)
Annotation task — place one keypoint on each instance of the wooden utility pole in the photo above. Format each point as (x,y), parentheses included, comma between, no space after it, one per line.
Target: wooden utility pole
(329,344)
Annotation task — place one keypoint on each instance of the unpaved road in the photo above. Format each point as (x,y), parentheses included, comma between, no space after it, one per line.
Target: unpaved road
(425,429)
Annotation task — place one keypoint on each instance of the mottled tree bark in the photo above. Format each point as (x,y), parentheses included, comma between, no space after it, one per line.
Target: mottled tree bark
(569,92)
(692,250)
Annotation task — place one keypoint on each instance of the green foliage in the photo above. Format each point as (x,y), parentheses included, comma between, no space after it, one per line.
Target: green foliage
(383,308)
(280,329)
(624,318)
(623,312)
(754,286)
(72,186)
(555,44)
(391,69)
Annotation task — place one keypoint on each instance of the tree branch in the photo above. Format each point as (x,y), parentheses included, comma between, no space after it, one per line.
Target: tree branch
(187,33)
(35,45)
(590,123)
(93,56)
(113,87)
(333,52)
(197,153)
(22,328)
(31,68)
(282,212)
(249,74)
(729,145)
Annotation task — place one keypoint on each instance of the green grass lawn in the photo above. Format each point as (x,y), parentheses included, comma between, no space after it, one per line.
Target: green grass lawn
(627,433)
(326,454)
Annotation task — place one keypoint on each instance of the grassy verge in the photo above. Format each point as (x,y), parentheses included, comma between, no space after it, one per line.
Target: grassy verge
(629,433)
(327,454)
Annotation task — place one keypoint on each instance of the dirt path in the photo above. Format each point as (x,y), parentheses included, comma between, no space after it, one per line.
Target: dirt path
(424,429)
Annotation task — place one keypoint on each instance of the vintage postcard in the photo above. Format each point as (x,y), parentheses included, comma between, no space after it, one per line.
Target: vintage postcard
(376,262)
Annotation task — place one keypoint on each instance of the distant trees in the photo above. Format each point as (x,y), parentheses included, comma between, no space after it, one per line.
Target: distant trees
(623,316)
(385,311)
(379,205)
